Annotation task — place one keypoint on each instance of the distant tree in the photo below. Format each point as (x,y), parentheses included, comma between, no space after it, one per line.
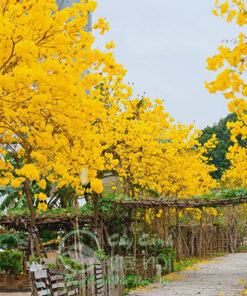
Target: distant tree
(218,155)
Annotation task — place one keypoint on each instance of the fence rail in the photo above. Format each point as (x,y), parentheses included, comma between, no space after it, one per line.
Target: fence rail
(99,278)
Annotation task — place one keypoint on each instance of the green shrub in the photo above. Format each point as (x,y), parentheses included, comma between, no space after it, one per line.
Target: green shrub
(132,281)
(184,263)
(70,264)
(13,240)
(166,259)
(101,255)
(8,241)
(11,262)
(47,235)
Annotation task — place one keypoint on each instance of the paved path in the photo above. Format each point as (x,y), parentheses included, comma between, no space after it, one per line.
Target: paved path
(224,276)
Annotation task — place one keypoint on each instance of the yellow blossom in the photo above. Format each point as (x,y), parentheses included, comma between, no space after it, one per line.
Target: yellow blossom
(42,184)
(102,25)
(15,183)
(42,206)
(40,196)
(110,45)
(29,171)
(97,185)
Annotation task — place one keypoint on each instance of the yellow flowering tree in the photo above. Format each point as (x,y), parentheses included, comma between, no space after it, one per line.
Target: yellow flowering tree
(66,116)
(231,63)
(50,108)
(157,156)
(236,176)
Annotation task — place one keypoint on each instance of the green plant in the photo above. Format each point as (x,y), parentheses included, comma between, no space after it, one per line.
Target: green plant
(11,262)
(132,281)
(69,264)
(35,259)
(167,257)
(108,203)
(51,266)
(47,235)
(182,264)
(223,194)
(8,241)
(12,240)
(164,253)
(101,255)
(242,249)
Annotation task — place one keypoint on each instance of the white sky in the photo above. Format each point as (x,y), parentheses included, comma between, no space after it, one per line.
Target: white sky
(164,45)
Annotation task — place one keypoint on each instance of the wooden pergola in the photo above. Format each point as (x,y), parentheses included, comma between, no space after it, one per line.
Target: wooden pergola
(44,222)
(67,221)
(182,203)
(209,236)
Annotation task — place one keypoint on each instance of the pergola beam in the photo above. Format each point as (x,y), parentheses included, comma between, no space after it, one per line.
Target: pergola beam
(44,222)
(182,204)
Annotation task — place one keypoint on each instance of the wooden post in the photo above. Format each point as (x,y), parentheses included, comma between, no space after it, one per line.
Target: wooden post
(200,239)
(165,232)
(217,238)
(135,237)
(110,267)
(177,236)
(90,276)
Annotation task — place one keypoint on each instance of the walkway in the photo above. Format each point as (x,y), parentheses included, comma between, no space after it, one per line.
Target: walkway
(224,276)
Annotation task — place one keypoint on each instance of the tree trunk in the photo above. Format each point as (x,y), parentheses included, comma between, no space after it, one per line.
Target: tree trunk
(95,198)
(78,245)
(32,227)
